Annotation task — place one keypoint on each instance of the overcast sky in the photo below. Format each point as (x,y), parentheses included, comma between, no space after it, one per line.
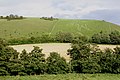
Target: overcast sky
(108,10)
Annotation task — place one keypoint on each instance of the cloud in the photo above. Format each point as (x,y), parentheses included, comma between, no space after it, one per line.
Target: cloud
(108,15)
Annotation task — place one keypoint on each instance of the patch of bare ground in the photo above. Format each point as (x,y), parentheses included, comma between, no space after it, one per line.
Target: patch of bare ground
(61,48)
(102,47)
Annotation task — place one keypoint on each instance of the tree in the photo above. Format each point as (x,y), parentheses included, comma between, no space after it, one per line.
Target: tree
(21,17)
(116,63)
(16,17)
(24,55)
(1,17)
(35,63)
(115,37)
(46,38)
(64,37)
(11,16)
(57,64)
(7,56)
(84,57)
(101,38)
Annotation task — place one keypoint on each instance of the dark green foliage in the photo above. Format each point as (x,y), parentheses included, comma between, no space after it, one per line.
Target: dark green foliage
(84,57)
(34,62)
(7,55)
(49,18)
(88,58)
(3,43)
(110,61)
(14,67)
(11,63)
(64,37)
(44,38)
(115,37)
(16,41)
(1,17)
(12,17)
(57,64)
(106,61)
(116,63)
(103,38)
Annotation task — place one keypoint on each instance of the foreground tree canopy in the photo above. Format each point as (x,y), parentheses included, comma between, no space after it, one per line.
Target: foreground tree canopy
(85,58)
(88,58)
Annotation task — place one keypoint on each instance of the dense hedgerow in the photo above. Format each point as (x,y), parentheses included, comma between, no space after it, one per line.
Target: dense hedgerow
(85,58)
(88,58)
(62,37)
(14,63)
(104,38)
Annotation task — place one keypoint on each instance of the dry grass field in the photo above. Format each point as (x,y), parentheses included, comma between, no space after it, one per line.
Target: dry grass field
(61,48)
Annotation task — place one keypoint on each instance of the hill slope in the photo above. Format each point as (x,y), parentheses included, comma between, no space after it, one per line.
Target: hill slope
(35,27)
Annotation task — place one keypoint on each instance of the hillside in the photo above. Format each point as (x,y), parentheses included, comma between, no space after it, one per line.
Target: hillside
(35,27)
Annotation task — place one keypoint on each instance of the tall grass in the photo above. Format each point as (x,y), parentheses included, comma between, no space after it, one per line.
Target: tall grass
(65,77)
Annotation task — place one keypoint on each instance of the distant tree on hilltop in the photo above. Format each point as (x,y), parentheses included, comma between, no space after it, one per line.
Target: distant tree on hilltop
(11,17)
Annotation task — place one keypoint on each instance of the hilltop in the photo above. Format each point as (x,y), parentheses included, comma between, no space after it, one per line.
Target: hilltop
(35,27)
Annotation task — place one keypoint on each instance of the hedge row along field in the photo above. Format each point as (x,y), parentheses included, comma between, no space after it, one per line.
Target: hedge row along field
(85,58)
(65,37)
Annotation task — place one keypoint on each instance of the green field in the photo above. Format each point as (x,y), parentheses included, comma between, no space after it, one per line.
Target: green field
(65,77)
(35,27)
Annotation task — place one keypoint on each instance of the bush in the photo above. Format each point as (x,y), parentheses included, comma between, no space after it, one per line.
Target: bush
(57,64)
(84,57)
(35,62)
(64,37)
(102,38)
(115,37)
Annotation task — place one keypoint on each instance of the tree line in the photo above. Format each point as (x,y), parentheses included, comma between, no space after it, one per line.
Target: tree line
(85,58)
(104,38)
(62,37)
(11,17)
(66,37)
(49,18)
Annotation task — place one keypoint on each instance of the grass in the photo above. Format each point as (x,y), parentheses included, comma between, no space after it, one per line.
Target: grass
(35,27)
(65,77)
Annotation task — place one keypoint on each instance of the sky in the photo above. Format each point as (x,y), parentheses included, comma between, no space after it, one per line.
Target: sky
(108,10)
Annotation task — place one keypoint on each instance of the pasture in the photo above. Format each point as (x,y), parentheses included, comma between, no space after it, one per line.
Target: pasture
(35,27)
(64,77)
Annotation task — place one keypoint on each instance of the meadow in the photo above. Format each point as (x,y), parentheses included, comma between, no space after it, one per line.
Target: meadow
(35,27)
(64,77)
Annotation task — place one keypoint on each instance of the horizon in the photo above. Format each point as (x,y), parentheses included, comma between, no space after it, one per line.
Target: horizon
(62,18)
(108,10)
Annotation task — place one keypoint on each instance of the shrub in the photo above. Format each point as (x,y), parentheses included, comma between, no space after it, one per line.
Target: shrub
(64,37)
(56,64)
(84,57)
(102,38)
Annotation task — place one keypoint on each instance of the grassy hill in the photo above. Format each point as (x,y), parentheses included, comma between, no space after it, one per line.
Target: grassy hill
(35,27)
